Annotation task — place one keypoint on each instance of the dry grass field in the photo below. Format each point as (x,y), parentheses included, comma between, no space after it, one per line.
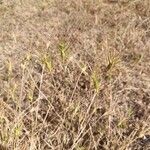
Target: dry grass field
(75,74)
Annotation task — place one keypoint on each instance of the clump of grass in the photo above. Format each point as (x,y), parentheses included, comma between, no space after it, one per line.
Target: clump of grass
(47,62)
(17,131)
(54,92)
(63,49)
(113,60)
(95,81)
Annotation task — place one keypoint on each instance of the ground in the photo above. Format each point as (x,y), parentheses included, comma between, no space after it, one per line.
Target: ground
(75,74)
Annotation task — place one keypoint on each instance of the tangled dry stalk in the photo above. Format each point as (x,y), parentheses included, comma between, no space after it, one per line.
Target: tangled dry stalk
(74,74)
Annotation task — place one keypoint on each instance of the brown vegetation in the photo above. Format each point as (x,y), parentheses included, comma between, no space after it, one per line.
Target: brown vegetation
(74,74)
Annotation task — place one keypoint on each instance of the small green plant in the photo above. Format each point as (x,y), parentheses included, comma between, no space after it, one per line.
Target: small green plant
(63,49)
(95,82)
(130,112)
(81,148)
(17,131)
(112,61)
(137,58)
(47,61)
(122,124)
(30,96)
